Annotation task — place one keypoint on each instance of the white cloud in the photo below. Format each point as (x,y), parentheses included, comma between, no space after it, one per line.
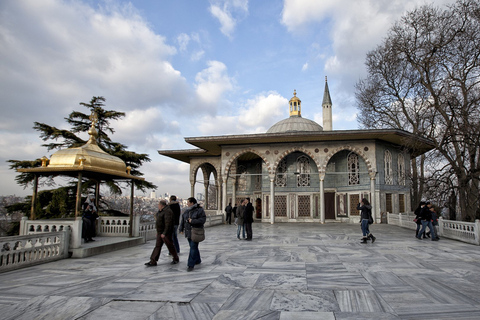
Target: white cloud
(356,28)
(224,11)
(257,115)
(183,39)
(305,66)
(212,83)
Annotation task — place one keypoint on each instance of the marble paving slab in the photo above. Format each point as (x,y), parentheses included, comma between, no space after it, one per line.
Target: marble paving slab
(289,271)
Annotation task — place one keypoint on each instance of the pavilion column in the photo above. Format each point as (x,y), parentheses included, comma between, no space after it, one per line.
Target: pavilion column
(234,193)
(206,185)
(272,200)
(34,198)
(132,194)
(322,199)
(97,193)
(78,203)
(192,189)
(372,198)
(224,193)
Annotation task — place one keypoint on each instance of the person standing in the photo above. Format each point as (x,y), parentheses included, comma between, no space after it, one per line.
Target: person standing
(365,218)
(418,217)
(248,219)
(241,226)
(89,219)
(426,216)
(228,211)
(193,217)
(175,207)
(164,225)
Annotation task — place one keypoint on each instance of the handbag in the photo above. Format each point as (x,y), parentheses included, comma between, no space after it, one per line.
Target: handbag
(197,234)
(370,219)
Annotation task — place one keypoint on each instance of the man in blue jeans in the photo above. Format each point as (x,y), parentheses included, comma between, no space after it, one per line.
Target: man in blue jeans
(426,216)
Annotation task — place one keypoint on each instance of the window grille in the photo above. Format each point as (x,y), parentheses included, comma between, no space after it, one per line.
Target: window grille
(242,178)
(388,167)
(303,168)
(401,170)
(281,176)
(353,170)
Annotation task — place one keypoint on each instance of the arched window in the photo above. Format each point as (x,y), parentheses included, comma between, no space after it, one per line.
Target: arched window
(353,169)
(281,176)
(401,169)
(303,168)
(388,167)
(241,178)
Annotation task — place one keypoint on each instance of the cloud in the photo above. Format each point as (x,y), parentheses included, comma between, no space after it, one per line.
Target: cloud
(56,54)
(224,11)
(257,115)
(355,28)
(212,83)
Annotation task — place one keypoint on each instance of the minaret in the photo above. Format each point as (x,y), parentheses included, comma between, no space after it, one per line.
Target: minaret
(327,109)
(295,105)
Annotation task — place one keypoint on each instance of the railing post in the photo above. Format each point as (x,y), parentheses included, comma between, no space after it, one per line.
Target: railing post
(23,226)
(136,226)
(76,236)
(477,234)
(440,226)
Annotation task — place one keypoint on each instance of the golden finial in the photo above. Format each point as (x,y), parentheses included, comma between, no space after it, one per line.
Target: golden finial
(94,118)
(294,92)
(44,161)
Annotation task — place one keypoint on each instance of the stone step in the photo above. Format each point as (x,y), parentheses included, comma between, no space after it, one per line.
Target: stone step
(104,245)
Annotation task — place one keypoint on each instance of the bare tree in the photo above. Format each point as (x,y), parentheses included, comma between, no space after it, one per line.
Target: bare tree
(425,78)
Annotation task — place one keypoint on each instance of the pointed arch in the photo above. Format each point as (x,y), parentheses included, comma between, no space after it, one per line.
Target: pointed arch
(323,167)
(231,161)
(295,149)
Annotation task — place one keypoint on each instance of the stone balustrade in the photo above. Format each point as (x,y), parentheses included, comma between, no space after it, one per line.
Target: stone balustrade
(468,232)
(23,251)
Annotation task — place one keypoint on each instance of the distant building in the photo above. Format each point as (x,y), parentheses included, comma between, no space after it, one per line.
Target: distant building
(153,195)
(299,171)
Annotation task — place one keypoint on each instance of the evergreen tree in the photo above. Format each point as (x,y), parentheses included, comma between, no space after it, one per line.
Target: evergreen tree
(61,139)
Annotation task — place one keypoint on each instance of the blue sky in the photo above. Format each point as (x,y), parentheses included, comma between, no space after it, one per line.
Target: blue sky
(180,68)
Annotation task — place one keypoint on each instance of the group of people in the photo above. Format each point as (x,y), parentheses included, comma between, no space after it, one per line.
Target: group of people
(169,220)
(425,216)
(243,214)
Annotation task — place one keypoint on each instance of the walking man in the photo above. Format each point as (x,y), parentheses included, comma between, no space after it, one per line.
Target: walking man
(175,207)
(164,225)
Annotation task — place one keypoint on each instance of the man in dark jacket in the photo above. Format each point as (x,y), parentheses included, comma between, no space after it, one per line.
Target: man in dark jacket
(193,217)
(426,216)
(248,219)
(175,206)
(164,225)
(228,211)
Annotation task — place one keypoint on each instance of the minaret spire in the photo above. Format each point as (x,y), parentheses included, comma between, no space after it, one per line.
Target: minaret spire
(327,108)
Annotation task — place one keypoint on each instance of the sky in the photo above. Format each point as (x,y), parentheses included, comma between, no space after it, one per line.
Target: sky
(179,68)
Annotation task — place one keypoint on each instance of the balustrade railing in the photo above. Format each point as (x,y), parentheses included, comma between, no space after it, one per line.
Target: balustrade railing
(22,251)
(459,230)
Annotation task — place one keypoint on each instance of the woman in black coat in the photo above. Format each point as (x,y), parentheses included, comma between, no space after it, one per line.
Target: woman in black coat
(366,219)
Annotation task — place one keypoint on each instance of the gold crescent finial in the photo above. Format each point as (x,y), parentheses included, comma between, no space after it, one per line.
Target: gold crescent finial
(294,92)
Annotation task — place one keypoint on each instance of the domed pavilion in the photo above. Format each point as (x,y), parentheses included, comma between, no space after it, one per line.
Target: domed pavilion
(300,171)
